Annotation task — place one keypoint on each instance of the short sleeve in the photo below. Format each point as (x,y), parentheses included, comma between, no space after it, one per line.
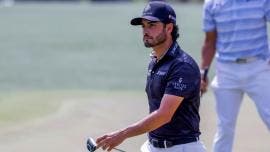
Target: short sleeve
(209,23)
(267,10)
(183,81)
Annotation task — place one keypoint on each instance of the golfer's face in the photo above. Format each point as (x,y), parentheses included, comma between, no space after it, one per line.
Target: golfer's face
(154,33)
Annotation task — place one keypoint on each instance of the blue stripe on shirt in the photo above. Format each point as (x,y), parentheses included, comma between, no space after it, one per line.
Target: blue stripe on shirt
(232,56)
(239,14)
(227,37)
(240,46)
(243,25)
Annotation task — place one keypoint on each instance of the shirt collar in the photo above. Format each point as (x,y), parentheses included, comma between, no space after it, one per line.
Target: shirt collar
(171,52)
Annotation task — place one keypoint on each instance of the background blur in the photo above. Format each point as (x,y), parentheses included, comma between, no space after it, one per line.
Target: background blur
(70,69)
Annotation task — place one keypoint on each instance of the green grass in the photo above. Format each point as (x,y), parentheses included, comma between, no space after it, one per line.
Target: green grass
(23,106)
(81,46)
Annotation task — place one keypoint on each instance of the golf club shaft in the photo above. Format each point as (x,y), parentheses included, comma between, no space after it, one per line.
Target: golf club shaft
(119,150)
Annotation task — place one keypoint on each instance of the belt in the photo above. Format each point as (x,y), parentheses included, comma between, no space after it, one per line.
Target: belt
(245,60)
(169,143)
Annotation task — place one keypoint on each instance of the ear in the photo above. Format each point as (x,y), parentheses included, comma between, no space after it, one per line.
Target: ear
(169,28)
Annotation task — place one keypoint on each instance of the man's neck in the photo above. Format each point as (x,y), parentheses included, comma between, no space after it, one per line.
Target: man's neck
(160,50)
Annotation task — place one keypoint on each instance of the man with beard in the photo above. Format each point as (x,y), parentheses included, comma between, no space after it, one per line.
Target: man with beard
(173,89)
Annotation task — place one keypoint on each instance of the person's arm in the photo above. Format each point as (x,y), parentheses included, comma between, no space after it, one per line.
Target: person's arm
(163,115)
(267,10)
(208,53)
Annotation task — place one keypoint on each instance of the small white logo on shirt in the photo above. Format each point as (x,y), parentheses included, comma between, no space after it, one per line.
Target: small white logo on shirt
(179,85)
(180,80)
(161,73)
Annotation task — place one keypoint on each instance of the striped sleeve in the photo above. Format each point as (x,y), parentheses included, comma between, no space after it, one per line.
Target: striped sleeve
(267,10)
(208,17)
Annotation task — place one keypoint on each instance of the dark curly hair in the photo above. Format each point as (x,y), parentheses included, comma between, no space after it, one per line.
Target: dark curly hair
(175,32)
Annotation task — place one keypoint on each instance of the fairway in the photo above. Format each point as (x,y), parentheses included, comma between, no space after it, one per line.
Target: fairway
(69,71)
(87,46)
(75,115)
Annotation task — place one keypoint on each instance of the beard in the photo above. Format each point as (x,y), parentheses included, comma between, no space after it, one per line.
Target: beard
(152,42)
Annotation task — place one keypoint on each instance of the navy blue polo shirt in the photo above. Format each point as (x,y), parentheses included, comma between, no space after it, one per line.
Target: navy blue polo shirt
(176,73)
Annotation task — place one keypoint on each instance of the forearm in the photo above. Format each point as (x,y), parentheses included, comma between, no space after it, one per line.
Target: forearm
(208,53)
(149,123)
(208,49)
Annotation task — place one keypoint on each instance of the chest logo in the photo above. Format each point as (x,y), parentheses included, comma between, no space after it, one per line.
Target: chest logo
(161,73)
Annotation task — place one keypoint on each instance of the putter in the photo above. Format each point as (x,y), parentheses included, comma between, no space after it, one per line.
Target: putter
(92,146)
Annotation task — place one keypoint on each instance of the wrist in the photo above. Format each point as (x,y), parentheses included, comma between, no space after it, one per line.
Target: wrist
(204,73)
